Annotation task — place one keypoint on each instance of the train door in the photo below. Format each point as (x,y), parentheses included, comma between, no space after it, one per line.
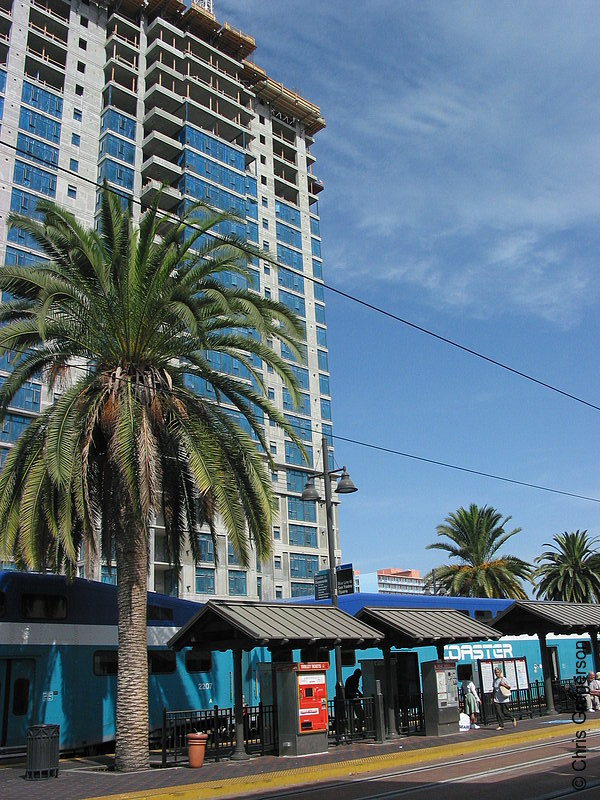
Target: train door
(17,677)
(554,663)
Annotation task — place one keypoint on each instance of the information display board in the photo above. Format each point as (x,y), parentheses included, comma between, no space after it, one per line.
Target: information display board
(513,669)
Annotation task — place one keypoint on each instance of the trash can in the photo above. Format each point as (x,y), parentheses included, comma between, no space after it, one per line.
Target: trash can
(42,752)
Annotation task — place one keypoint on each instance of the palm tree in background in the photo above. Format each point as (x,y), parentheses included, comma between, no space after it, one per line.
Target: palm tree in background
(476,536)
(139,430)
(571,570)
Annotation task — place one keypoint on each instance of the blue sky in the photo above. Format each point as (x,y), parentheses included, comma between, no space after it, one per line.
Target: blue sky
(461,167)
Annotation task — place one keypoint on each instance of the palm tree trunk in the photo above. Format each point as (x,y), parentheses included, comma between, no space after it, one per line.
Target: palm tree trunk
(131,727)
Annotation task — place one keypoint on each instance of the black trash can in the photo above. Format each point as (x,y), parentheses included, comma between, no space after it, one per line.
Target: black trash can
(42,752)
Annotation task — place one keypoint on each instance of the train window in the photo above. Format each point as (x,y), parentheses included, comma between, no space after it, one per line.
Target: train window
(586,647)
(348,657)
(161,662)
(20,697)
(2,604)
(198,661)
(159,612)
(105,662)
(43,606)
(483,616)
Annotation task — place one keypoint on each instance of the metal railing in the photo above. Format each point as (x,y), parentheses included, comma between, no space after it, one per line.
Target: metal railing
(409,714)
(531,702)
(350,720)
(260,731)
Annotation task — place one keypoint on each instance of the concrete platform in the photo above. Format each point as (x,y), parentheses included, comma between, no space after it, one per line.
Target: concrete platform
(82,778)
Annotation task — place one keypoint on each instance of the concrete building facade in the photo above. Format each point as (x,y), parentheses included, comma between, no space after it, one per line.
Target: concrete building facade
(140,94)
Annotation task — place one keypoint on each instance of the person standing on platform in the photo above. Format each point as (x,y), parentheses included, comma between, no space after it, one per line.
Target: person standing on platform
(502,699)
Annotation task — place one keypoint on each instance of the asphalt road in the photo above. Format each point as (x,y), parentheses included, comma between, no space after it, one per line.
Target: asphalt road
(536,772)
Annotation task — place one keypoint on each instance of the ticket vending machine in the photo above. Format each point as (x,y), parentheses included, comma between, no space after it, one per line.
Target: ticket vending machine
(440,697)
(302,708)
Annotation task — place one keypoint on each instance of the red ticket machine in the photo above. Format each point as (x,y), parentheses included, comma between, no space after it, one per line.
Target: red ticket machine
(312,697)
(302,708)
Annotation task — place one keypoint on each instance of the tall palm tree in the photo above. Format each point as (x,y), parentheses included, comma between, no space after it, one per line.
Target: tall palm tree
(476,537)
(571,570)
(141,430)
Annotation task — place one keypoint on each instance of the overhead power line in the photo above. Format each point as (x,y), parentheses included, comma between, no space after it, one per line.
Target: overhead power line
(391,451)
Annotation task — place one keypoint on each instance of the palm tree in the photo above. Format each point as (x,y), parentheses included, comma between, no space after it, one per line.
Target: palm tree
(141,430)
(571,571)
(476,537)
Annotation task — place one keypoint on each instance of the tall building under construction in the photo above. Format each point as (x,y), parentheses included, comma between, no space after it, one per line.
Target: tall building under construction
(141,94)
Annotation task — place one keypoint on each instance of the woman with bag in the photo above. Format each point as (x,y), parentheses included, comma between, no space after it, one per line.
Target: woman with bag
(502,699)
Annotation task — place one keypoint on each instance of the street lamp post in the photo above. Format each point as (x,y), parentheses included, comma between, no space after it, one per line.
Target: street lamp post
(344,486)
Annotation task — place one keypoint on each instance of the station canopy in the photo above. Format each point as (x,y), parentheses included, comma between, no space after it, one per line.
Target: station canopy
(421,627)
(223,625)
(546,616)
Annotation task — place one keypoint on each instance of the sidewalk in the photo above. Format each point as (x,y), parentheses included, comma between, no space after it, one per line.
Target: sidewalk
(83,778)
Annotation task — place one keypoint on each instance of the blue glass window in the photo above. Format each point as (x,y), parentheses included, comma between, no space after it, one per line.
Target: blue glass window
(315,228)
(212,170)
(295,457)
(39,125)
(300,426)
(290,258)
(325,408)
(119,123)
(295,480)
(108,574)
(320,314)
(322,337)
(28,397)
(116,173)
(206,547)
(323,360)
(317,269)
(42,99)
(319,292)
(35,178)
(2,80)
(301,375)
(290,280)
(287,213)
(288,235)
(213,147)
(37,151)
(12,427)
(22,259)
(302,535)
(304,399)
(231,556)
(287,353)
(75,139)
(315,246)
(252,232)
(302,510)
(327,431)
(74,165)
(303,589)
(237,582)
(324,384)
(293,302)
(111,145)
(205,580)
(303,566)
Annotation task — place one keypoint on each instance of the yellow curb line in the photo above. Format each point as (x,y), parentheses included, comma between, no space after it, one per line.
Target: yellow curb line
(209,790)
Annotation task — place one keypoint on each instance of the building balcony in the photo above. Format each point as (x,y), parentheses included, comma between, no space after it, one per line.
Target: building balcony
(157,142)
(160,169)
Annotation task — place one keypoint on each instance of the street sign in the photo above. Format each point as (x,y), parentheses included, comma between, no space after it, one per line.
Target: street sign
(322,590)
(345,579)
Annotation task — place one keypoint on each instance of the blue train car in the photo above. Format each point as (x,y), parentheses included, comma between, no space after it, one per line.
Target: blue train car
(58,660)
